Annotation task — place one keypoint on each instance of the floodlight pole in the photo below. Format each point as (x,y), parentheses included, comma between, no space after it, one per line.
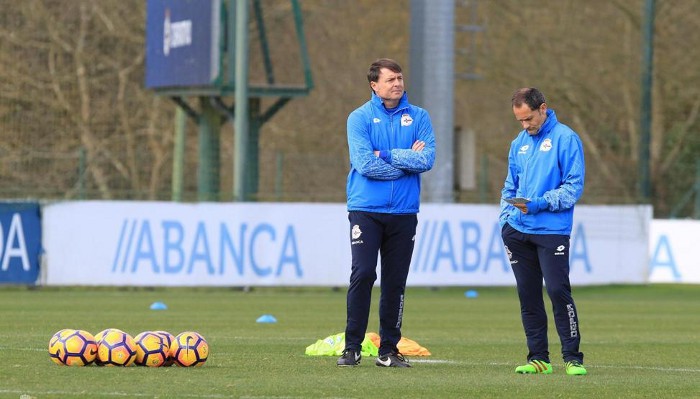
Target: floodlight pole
(241,103)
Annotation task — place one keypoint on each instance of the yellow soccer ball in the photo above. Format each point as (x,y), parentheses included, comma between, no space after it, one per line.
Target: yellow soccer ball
(168,340)
(189,349)
(116,348)
(56,349)
(73,348)
(151,349)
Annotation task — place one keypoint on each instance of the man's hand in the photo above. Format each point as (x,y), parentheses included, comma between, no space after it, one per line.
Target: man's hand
(417,146)
(533,207)
(522,207)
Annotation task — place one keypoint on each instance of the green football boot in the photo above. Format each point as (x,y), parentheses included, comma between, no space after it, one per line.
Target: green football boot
(535,367)
(575,367)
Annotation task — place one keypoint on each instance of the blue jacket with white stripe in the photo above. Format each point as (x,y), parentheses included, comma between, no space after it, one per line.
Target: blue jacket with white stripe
(390,182)
(549,169)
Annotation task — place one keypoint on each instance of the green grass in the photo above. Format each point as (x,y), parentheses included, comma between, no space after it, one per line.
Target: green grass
(639,342)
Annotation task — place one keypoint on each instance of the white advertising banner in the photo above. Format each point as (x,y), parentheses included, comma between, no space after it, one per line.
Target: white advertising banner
(171,244)
(304,244)
(673,251)
(461,245)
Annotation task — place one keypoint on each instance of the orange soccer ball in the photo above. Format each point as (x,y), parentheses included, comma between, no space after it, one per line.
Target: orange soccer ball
(151,349)
(189,349)
(73,348)
(116,348)
(168,339)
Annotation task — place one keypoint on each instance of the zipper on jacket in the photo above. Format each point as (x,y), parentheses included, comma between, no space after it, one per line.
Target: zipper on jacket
(526,168)
(391,131)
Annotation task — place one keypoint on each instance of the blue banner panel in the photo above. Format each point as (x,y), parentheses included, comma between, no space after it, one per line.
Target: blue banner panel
(20,242)
(182,43)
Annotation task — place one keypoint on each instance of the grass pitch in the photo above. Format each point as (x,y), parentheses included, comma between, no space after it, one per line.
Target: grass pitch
(639,342)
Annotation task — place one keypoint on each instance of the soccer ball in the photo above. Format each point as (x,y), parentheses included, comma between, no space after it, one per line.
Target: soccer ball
(116,348)
(98,339)
(56,350)
(80,348)
(189,349)
(168,340)
(101,334)
(151,349)
(73,348)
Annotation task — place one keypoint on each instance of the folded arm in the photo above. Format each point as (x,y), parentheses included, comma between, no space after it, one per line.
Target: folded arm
(362,156)
(420,157)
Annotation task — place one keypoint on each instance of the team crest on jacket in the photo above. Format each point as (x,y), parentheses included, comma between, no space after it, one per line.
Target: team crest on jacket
(406,120)
(546,145)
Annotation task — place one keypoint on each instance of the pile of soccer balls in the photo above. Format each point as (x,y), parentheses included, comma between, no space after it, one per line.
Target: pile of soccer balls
(114,347)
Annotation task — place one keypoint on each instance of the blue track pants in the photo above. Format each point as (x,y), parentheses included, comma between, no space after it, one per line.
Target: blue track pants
(391,236)
(535,257)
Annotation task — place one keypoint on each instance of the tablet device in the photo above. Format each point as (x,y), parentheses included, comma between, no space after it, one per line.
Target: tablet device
(516,200)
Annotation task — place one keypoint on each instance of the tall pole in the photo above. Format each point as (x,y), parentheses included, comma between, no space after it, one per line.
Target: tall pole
(431,86)
(209,153)
(241,104)
(179,154)
(646,98)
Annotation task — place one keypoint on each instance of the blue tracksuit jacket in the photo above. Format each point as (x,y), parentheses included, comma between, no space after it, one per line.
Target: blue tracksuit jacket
(549,169)
(389,183)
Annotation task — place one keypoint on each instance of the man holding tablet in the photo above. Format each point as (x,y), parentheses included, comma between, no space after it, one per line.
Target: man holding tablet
(545,179)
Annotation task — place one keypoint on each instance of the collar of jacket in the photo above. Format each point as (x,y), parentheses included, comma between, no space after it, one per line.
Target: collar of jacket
(377,102)
(549,123)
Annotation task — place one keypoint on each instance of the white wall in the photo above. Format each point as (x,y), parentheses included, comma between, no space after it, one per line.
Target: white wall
(303,244)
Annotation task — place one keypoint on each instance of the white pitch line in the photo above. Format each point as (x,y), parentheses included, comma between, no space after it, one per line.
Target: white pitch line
(131,394)
(117,394)
(124,394)
(5,348)
(648,368)
(457,362)
(595,366)
(433,361)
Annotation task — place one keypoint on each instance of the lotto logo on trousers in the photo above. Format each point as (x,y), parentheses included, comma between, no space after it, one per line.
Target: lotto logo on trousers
(573,326)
